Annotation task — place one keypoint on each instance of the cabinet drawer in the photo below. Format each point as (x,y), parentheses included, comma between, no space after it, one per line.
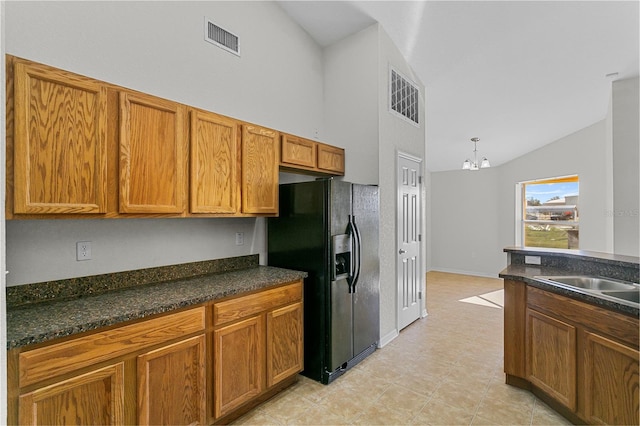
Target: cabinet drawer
(244,306)
(604,321)
(61,358)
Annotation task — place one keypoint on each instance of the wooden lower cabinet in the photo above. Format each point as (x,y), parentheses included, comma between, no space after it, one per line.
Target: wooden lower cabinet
(257,347)
(611,392)
(200,365)
(146,372)
(580,358)
(171,384)
(238,361)
(551,356)
(284,343)
(93,398)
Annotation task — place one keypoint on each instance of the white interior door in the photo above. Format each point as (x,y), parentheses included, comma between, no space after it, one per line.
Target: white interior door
(409,237)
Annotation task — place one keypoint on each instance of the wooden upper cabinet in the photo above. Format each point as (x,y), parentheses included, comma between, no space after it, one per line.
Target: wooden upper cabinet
(331,159)
(214,174)
(308,156)
(60,145)
(297,151)
(152,149)
(260,161)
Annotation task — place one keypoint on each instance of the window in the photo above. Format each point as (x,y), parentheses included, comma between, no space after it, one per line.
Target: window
(549,213)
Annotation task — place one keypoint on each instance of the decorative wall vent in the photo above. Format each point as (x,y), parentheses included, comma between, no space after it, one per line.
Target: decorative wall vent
(221,37)
(404,97)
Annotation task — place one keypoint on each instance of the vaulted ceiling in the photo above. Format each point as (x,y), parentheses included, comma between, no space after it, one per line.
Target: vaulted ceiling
(516,74)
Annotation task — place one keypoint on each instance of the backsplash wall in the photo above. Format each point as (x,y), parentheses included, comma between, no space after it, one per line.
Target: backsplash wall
(45,250)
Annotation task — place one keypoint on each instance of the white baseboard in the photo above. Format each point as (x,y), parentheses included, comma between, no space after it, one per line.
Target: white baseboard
(461,272)
(388,338)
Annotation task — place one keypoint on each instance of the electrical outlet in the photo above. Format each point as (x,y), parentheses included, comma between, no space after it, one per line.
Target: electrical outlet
(83,250)
(532,260)
(239,238)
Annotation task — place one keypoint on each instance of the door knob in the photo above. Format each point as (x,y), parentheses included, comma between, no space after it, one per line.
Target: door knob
(402,251)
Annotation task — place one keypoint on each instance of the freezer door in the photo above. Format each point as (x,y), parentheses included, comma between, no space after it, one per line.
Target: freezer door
(366,300)
(341,349)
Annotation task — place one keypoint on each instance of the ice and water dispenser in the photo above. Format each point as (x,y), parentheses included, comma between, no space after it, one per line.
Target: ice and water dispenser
(341,253)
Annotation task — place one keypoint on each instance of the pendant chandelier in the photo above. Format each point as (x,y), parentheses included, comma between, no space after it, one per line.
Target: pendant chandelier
(473,165)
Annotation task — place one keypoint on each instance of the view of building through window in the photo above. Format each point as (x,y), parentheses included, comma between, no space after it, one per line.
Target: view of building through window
(550,213)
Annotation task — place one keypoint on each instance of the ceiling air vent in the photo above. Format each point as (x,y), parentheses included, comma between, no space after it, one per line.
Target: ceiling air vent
(221,37)
(404,97)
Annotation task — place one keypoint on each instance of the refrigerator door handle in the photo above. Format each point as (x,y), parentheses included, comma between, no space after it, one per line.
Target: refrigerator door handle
(357,254)
(351,231)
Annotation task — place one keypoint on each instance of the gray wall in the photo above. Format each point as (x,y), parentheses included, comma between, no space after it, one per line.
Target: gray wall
(159,48)
(464,236)
(351,102)
(396,135)
(626,157)
(474,212)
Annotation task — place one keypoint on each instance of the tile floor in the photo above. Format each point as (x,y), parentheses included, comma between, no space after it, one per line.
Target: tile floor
(445,369)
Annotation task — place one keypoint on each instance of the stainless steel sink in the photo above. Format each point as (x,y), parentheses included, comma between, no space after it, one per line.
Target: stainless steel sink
(626,293)
(630,296)
(593,283)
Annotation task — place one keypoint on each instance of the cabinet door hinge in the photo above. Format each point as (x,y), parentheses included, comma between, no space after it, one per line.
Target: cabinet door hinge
(419,295)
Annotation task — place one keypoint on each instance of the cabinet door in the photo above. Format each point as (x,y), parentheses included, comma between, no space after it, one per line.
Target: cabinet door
(94,398)
(331,159)
(611,382)
(297,151)
(238,364)
(260,161)
(151,155)
(284,343)
(551,356)
(171,384)
(60,147)
(214,179)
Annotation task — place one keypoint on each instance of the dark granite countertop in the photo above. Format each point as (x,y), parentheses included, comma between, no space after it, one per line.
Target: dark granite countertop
(528,273)
(591,256)
(42,322)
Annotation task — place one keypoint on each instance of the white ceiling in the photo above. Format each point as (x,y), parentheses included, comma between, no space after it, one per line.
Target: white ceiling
(516,74)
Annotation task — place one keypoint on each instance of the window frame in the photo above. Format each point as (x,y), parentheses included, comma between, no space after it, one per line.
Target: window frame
(521,207)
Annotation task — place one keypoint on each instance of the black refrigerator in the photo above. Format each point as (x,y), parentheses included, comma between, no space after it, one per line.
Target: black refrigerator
(329,229)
